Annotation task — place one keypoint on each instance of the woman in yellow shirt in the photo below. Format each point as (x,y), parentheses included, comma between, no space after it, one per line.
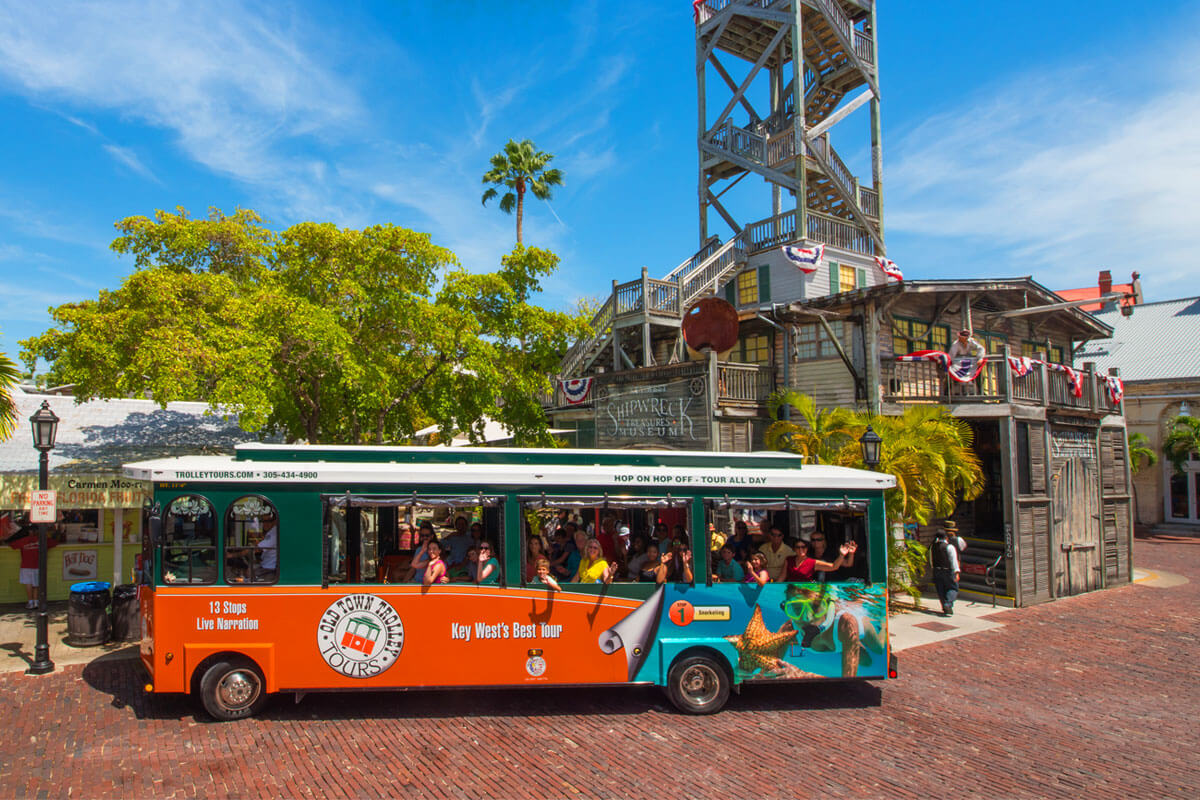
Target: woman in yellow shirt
(592,566)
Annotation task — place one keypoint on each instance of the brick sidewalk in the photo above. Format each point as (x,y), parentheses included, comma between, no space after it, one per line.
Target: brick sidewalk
(1093,696)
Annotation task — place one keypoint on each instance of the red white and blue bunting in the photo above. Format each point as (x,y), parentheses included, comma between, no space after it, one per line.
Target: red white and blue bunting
(889,268)
(806,259)
(1021,365)
(1115,386)
(577,390)
(963,370)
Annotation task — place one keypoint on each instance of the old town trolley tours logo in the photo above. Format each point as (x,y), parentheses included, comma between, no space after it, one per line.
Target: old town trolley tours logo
(360,635)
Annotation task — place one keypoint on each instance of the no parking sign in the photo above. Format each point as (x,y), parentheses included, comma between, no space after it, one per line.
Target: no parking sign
(42,505)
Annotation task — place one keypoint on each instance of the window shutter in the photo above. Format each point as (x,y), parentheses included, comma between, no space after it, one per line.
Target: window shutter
(835,278)
(862,278)
(731,291)
(764,284)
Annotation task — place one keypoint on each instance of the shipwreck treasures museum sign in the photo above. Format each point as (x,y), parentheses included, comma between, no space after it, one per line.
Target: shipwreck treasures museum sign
(671,413)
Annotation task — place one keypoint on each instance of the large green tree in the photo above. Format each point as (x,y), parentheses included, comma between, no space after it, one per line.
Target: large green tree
(321,333)
(520,167)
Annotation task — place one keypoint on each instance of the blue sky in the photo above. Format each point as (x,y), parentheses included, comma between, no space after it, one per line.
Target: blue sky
(1019,138)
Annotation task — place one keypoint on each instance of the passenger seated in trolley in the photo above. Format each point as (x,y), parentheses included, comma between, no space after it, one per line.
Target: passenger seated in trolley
(542,576)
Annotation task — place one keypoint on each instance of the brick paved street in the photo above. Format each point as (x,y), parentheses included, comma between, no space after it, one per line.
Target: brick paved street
(1095,696)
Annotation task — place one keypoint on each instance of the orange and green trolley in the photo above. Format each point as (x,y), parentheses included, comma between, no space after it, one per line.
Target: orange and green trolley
(289,568)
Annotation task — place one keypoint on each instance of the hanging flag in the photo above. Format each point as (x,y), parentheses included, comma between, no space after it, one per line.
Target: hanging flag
(889,268)
(1074,379)
(806,259)
(577,389)
(696,4)
(963,370)
(1022,365)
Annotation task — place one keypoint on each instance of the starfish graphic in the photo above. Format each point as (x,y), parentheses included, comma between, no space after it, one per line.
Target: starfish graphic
(758,648)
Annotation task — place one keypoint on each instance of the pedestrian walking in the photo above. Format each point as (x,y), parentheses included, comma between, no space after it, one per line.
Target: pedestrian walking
(943,556)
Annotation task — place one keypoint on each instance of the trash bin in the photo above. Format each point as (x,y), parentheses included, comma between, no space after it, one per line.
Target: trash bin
(126,616)
(87,614)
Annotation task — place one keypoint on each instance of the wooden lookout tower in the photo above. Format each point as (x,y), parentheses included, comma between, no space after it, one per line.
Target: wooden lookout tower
(778,121)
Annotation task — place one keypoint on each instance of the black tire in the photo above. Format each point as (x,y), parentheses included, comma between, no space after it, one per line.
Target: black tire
(233,688)
(698,685)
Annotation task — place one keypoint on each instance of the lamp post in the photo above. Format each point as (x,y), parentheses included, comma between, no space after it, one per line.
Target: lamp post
(870,442)
(45,427)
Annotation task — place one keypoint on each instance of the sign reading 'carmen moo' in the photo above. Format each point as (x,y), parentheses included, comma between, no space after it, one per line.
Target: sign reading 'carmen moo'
(673,413)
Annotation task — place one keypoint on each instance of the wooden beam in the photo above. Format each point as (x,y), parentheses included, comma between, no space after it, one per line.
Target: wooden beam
(782,178)
(740,92)
(839,115)
(715,203)
(712,59)
(714,38)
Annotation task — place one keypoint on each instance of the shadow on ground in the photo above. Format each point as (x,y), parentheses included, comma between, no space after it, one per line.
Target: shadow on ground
(123,678)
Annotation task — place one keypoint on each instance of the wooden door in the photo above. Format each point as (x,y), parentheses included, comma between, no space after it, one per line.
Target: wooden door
(1076,548)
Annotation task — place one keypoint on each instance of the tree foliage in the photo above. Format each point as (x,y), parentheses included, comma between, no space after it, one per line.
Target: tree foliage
(819,435)
(9,375)
(928,451)
(1140,452)
(1182,440)
(322,333)
(520,167)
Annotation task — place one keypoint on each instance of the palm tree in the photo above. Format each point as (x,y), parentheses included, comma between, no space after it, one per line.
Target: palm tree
(1183,439)
(9,375)
(1140,451)
(824,432)
(520,167)
(930,454)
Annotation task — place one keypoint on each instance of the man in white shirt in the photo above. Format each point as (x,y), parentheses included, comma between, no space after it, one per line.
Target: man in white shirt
(966,346)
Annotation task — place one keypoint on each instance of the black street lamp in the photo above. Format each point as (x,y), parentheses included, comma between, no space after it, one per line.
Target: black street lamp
(870,442)
(45,427)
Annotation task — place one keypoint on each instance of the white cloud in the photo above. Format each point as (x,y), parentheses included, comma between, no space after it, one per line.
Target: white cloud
(231,82)
(129,158)
(1060,175)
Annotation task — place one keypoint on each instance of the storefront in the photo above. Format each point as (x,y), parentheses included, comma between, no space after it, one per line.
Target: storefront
(98,533)
(99,510)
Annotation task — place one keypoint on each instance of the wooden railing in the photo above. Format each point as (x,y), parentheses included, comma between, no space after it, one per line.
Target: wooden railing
(690,263)
(707,275)
(744,384)
(927,382)
(864,48)
(601,323)
(770,232)
(839,233)
(781,229)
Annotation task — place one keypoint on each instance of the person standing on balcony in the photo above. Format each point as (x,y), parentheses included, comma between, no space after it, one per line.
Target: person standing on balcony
(966,346)
(965,354)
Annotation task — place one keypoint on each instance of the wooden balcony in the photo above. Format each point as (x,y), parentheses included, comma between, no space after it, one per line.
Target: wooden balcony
(926,382)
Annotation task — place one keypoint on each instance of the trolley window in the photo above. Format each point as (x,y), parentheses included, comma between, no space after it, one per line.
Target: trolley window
(640,539)
(385,538)
(251,541)
(189,551)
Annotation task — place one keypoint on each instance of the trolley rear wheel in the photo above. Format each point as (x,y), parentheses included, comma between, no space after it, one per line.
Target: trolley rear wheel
(698,685)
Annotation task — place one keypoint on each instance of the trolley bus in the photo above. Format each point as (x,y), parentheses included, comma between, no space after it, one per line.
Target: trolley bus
(289,568)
